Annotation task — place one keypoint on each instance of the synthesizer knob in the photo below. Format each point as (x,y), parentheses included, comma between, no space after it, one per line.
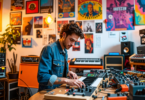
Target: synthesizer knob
(108,94)
(72,89)
(82,86)
(79,89)
(68,93)
(74,94)
(82,90)
(83,94)
(86,88)
(136,83)
(143,91)
(118,94)
(94,97)
(90,89)
(69,90)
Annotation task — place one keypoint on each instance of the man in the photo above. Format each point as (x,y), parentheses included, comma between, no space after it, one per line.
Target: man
(53,65)
(90,12)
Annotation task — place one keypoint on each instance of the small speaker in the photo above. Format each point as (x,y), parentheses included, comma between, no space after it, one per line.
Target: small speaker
(127,48)
(114,61)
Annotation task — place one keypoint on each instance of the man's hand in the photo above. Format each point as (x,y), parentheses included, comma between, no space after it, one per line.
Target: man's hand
(72,75)
(74,82)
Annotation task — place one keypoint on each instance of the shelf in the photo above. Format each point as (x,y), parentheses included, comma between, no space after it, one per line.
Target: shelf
(1,96)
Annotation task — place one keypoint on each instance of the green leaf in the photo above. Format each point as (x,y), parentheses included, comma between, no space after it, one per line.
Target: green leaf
(14,37)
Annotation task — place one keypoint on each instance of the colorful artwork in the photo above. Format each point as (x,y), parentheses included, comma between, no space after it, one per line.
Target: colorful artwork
(27,26)
(89,9)
(32,7)
(140,12)
(88,26)
(17,5)
(76,46)
(89,43)
(60,24)
(66,8)
(1,4)
(46,5)
(38,22)
(45,25)
(52,38)
(39,33)
(99,27)
(16,18)
(120,15)
(27,42)
(79,23)
(18,38)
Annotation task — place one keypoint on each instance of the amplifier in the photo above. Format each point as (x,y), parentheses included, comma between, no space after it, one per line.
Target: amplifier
(114,61)
(2,72)
(138,58)
(30,59)
(2,59)
(86,61)
(141,50)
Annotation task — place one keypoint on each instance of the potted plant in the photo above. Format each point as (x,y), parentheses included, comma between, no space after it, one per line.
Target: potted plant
(6,41)
(13,74)
(7,38)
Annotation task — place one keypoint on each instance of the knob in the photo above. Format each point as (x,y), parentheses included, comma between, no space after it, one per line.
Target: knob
(82,86)
(108,94)
(83,94)
(74,94)
(68,93)
(118,94)
(79,89)
(94,97)
(72,89)
(86,88)
(82,90)
(136,83)
(90,89)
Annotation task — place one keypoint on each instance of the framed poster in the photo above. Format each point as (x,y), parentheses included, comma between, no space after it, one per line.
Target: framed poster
(66,8)
(99,27)
(32,7)
(142,40)
(1,7)
(45,25)
(88,26)
(52,38)
(89,9)
(18,38)
(46,5)
(16,18)
(76,46)
(27,42)
(60,24)
(139,12)
(38,22)
(17,5)
(27,26)
(120,15)
(89,43)
(39,33)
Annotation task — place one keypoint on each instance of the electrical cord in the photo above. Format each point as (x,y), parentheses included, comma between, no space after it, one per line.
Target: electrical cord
(27,87)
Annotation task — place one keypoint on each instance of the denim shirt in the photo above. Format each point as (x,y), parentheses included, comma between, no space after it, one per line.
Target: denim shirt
(51,65)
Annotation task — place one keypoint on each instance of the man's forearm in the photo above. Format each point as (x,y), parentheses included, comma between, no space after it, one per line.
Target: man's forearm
(60,80)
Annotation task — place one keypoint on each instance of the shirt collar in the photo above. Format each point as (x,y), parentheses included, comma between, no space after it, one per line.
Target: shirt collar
(59,47)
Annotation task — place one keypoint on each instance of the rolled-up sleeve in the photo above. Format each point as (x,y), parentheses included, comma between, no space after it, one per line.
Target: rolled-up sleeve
(45,66)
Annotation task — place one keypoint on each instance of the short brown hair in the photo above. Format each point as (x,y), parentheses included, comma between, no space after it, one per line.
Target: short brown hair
(70,29)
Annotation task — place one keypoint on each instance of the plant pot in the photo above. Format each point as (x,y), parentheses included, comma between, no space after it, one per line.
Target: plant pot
(13,75)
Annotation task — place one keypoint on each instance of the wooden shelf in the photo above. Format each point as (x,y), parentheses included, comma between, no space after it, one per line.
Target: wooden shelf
(1,96)
(2,90)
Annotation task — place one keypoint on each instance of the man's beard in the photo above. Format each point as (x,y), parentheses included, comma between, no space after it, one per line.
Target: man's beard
(64,43)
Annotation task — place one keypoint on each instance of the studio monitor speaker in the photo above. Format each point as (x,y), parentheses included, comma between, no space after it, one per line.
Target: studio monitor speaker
(127,48)
(114,61)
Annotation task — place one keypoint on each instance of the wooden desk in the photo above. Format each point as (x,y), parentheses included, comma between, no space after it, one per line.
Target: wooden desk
(85,66)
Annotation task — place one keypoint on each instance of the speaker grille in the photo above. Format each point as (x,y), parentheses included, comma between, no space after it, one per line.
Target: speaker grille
(114,60)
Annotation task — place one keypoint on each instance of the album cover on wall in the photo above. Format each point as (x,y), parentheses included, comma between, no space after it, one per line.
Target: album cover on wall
(99,28)
(45,25)
(89,9)
(139,12)
(52,38)
(39,33)
(32,7)
(88,26)
(16,18)
(66,8)
(89,48)
(38,22)
(60,24)
(76,46)
(18,38)
(79,23)
(17,5)
(27,42)
(27,26)
(46,5)
(120,15)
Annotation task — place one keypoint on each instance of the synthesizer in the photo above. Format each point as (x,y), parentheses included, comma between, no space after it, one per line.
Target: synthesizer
(138,58)
(86,61)
(84,93)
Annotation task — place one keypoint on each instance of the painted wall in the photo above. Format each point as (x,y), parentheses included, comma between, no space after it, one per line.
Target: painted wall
(107,44)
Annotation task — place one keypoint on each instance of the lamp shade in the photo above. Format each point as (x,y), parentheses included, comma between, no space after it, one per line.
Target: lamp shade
(49,19)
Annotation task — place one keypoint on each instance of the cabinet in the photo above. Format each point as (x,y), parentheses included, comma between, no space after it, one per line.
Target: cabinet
(2,88)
